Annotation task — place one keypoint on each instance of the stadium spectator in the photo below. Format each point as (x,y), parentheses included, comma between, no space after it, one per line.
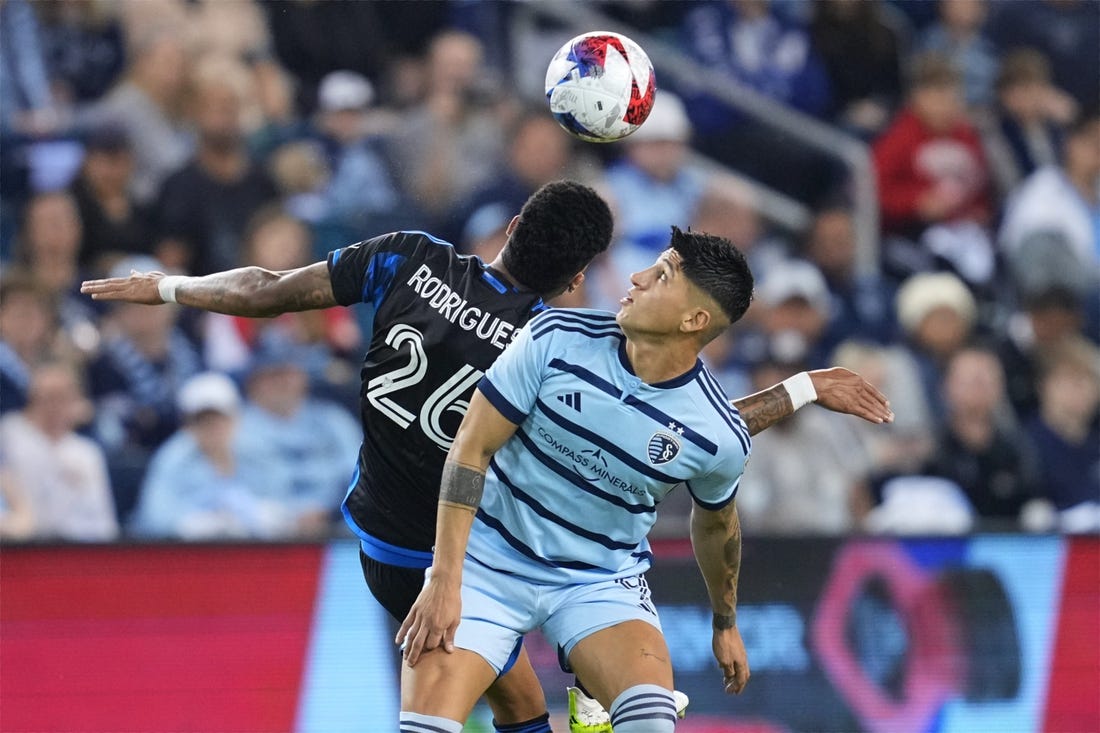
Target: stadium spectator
(84,48)
(958,35)
(1059,208)
(1066,435)
(900,448)
(64,474)
(1062,30)
(792,313)
(114,224)
(824,492)
(239,31)
(861,43)
(144,359)
(49,247)
(28,334)
(363,195)
(1049,313)
(316,442)
(204,208)
(730,208)
(933,181)
(937,315)
(204,483)
(861,304)
(979,445)
(149,104)
(1024,131)
(27,104)
(453,142)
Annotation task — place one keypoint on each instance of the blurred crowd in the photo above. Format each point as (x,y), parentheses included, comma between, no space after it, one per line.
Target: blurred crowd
(192,136)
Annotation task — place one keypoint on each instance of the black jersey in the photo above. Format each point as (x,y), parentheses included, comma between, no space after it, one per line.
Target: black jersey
(440,320)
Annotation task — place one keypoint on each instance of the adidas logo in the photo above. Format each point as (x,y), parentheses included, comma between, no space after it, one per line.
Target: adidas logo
(571,399)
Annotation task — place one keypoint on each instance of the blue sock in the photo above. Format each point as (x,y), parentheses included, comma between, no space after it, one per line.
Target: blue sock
(644,709)
(417,723)
(540,724)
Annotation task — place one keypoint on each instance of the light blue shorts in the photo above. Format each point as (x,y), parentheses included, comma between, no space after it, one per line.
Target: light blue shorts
(498,609)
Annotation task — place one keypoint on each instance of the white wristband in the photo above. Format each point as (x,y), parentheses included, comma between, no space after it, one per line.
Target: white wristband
(167,286)
(801,389)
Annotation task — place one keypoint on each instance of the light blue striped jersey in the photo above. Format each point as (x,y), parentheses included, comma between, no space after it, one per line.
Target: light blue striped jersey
(571,496)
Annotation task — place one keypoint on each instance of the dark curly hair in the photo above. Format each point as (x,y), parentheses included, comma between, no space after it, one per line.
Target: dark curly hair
(561,228)
(717,268)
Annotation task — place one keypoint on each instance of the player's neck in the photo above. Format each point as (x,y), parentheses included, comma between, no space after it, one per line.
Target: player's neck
(497,265)
(656,360)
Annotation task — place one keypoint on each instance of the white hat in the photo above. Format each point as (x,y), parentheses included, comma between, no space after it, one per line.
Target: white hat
(342,90)
(667,121)
(925,292)
(209,391)
(795,279)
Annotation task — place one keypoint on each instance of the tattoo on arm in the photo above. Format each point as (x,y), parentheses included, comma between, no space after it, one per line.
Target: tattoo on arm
(732,557)
(314,292)
(259,293)
(461,486)
(765,408)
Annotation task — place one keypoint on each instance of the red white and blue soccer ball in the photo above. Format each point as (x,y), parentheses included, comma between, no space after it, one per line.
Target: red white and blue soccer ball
(600,86)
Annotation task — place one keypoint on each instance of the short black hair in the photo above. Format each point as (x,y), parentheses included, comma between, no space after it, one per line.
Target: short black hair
(717,268)
(561,228)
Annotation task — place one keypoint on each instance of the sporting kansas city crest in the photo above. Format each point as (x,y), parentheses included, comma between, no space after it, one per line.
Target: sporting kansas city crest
(662,448)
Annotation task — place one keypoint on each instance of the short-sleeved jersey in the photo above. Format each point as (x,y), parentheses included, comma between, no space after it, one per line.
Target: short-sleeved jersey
(440,320)
(571,496)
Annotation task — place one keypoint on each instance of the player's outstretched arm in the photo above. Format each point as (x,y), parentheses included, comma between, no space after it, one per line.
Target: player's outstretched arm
(247,291)
(716,539)
(837,389)
(435,614)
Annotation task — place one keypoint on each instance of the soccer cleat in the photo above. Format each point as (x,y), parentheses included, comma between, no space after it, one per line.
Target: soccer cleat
(681,701)
(586,715)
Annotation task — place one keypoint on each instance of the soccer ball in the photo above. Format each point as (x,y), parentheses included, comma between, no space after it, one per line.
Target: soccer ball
(600,86)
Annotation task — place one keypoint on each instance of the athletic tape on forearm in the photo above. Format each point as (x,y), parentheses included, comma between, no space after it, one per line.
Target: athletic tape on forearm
(801,389)
(167,286)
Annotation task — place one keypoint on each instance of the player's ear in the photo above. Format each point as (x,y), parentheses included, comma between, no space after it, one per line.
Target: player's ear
(575,282)
(696,320)
(512,225)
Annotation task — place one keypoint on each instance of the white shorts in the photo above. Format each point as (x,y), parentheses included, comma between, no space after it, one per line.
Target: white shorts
(498,609)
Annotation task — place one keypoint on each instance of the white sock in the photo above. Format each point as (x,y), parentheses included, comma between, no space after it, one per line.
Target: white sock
(417,723)
(644,709)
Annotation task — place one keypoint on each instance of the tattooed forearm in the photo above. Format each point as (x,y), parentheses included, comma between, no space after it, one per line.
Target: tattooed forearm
(258,293)
(731,554)
(461,486)
(765,408)
(716,539)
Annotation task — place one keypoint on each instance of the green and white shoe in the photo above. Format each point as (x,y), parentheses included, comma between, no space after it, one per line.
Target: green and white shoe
(586,715)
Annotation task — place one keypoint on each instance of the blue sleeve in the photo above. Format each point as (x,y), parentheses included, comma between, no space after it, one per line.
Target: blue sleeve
(364,272)
(513,381)
(718,488)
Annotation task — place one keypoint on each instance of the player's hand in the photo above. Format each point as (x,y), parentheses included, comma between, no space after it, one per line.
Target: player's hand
(841,390)
(729,650)
(432,620)
(140,287)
